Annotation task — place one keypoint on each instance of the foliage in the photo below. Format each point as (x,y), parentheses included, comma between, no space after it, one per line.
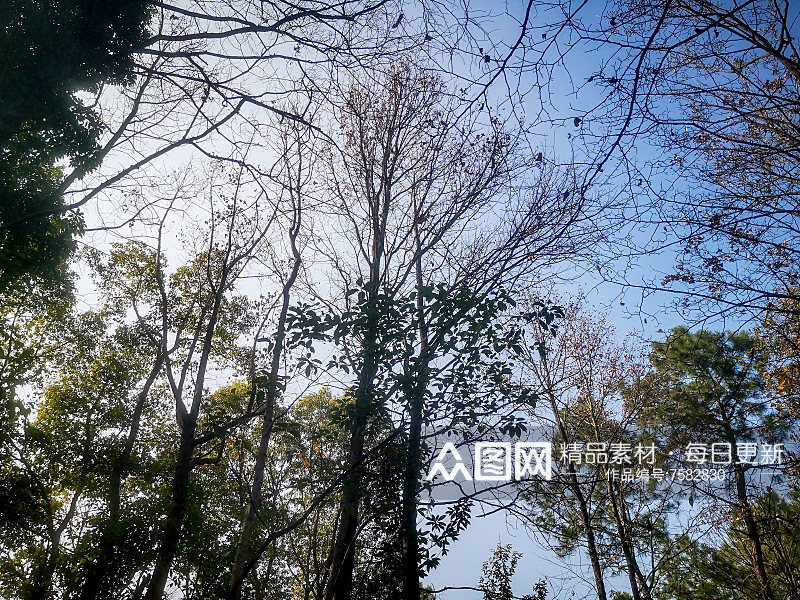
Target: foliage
(708,572)
(52,51)
(712,389)
(495,582)
(777,337)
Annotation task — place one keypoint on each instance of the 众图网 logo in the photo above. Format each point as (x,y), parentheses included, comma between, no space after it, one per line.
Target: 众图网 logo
(495,461)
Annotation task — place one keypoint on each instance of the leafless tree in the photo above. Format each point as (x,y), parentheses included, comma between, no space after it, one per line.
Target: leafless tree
(293,175)
(418,198)
(583,374)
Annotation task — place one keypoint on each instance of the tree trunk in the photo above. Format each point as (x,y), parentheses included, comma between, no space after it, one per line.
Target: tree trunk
(409,534)
(583,508)
(102,578)
(340,579)
(416,402)
(251,510)
(639,587)
(245,537)
(588,530)
(753,534)
(41,584)
(172,528)
(183,461)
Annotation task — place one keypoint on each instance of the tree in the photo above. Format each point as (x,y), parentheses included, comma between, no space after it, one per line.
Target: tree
(316,426)
(776,339)
(712,89)
(62,455)
(51,52)
(207,325)
(584,374)
(713,393)
(407,188)
(495,582)
(497,573)
(192,323)
(293,176)
(723,571)
(30,311)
